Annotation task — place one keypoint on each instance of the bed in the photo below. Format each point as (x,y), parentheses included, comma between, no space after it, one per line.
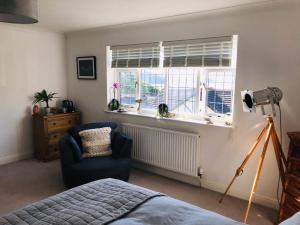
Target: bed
(114,202)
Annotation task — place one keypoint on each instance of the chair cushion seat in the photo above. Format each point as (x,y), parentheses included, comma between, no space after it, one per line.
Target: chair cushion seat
(101,164)
(91,169)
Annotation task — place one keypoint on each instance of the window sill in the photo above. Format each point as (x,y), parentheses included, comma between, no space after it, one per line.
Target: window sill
(183,120)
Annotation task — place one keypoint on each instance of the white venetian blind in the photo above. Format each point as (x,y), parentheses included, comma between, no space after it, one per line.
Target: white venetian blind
(214,52)
(135,56)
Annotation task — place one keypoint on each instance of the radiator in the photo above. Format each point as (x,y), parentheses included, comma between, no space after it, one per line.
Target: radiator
(167,149)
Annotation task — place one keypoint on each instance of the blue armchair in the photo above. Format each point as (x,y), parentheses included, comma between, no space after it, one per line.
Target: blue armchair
(77,170)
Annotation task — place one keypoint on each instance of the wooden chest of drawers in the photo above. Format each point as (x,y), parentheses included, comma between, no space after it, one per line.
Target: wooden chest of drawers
(290,200)
(47,131)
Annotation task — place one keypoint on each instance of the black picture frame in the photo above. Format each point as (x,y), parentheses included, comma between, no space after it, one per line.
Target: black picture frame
(86,68)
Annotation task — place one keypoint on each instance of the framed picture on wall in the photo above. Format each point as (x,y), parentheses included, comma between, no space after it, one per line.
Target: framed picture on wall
(86,68)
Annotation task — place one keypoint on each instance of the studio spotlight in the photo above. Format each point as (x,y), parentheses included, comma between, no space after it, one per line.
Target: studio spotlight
(252,99)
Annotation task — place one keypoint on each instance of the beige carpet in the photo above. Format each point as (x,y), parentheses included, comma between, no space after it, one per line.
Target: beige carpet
(28,181)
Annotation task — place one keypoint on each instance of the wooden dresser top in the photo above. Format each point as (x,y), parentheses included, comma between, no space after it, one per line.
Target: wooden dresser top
(56,115)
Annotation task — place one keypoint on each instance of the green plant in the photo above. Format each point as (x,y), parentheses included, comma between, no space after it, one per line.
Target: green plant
(149,88)
(114,104)
(43,96)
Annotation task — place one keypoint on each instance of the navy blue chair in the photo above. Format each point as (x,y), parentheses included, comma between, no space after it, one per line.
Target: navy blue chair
(77,170)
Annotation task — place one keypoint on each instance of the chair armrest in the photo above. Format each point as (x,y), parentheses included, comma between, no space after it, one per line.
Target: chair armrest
(121,146)
(70,152)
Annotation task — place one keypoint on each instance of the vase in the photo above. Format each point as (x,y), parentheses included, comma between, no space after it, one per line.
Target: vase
(36,109)
(113,105)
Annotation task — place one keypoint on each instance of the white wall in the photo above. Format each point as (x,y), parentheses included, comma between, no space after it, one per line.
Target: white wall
(268,55)
(30,60)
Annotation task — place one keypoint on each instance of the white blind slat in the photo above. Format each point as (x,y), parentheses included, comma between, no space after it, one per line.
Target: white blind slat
(141,55)
(198,52)
(205,52)
(198,41)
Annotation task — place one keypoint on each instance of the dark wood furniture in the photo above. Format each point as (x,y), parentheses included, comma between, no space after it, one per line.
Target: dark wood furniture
(48,130)
(290,199)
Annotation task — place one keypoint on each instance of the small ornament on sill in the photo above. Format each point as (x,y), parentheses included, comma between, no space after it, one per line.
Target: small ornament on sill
(208,120)
(163,111)
(122,109)
(139,102)
(227,123)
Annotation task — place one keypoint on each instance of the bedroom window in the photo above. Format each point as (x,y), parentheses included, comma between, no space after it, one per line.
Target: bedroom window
(152,88)
(127,80)
(194,78)
(182,90)
(219,91)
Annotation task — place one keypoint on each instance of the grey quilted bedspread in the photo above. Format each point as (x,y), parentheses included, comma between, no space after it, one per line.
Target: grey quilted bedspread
(99,202)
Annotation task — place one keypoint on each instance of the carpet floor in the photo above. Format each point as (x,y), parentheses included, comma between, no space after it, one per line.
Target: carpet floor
(28,181)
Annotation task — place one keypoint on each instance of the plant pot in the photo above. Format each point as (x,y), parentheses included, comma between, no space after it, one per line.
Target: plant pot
(48,110)
(113,105)
(163,110)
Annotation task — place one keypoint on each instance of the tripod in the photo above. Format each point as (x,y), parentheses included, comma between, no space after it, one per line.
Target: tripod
(280,158)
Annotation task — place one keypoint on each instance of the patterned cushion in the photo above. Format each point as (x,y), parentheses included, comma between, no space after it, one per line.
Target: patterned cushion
(96,142)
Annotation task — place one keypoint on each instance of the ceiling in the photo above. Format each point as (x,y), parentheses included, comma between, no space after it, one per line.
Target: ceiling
(71,15)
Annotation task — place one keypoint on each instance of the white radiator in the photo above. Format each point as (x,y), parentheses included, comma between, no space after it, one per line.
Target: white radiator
(168,149)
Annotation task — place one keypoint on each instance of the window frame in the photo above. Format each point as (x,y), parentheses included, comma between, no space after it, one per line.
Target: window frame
(201,102)
(118,74)
(140,88)
(196,110)
(233,71)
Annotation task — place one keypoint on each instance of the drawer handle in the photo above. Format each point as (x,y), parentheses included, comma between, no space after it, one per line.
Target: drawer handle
(70,121)
(54,124)
(54,136)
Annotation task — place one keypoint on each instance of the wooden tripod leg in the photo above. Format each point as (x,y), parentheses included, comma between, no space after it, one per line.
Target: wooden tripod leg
(277,149)
(239,171)
(278,145)
(257,175)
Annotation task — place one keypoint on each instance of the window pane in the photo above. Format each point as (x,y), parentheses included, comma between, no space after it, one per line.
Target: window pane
(127,90)
(182,90)
(219,87)
(152,88)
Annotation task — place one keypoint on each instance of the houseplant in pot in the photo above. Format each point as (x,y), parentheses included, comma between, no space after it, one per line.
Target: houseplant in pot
(44,96)
(114,103)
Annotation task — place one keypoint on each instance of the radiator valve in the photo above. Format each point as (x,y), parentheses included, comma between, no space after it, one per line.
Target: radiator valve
(200,171)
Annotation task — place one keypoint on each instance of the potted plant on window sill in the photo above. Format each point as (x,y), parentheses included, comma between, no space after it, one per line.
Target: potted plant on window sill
(43,96)
(114,103)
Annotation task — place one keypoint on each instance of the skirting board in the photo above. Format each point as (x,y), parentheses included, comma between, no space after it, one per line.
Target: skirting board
(13,158)
(259,199)
(167,173)
(214,186)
